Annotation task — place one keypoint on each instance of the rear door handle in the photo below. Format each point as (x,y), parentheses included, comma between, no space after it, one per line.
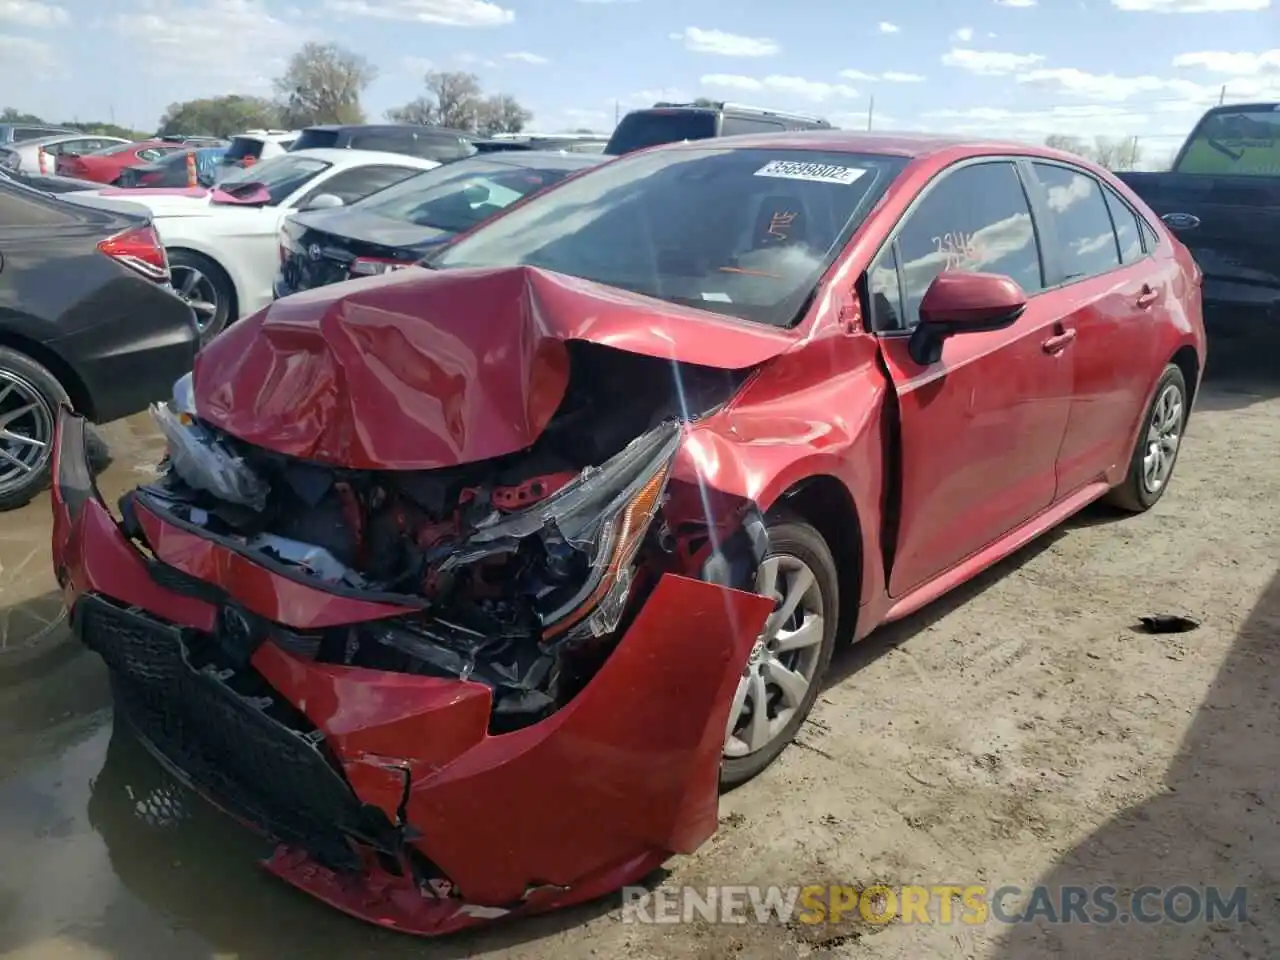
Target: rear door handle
(1147,297)
(1060,342)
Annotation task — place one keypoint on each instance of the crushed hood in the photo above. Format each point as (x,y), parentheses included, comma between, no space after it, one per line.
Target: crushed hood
(426,369)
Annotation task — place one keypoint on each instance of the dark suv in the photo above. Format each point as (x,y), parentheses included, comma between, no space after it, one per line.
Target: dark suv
(432,143)
(674,122)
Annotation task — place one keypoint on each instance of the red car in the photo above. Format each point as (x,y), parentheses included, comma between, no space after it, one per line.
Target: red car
(472,586)
(106,165)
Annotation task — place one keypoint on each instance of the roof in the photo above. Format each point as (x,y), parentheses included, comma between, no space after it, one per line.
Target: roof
(532,158)
(69,135)
(343,157)
(853,141)
(420,127)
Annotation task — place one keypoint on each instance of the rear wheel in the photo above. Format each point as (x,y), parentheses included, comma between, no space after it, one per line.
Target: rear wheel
(206,288)
(783,675)
(1156,453)
(29,400)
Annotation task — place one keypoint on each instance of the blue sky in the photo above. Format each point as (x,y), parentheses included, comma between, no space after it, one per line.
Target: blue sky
(1021,68)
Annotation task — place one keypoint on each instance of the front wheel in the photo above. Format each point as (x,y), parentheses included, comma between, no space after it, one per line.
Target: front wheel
(784,673)
(1151,464)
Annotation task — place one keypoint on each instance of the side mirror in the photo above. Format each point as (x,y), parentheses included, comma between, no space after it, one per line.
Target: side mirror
(958,302)
(324,201)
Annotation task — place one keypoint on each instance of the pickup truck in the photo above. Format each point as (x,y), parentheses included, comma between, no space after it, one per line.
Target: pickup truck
(1222,199)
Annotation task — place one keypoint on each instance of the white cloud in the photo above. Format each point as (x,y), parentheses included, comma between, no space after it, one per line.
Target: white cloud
(526,57)
(1015,3)
(989,62)
(814,90)
(1108,86)
(963,35)
(1082,120)
(417,65)
(648,98)
(24,54)
(32,13)
(1190,6)
(1236,64)
(725,44)
(884,26)
(889,76)
(224,41)
(473,59)
(448,13)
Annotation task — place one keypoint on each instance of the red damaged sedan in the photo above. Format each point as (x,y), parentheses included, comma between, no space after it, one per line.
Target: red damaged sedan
(472,586)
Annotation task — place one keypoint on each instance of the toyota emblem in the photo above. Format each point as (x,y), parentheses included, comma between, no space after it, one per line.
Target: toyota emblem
(314,252)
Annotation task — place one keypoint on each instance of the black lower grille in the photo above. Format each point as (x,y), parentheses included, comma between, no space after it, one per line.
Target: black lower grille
(301,272)
(225,743)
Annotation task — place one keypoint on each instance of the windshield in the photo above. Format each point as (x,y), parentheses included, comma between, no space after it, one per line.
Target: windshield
(649,128)
(281,175)
(243,148)
(456,197)
(1241,142)
(120,148)
(746,233)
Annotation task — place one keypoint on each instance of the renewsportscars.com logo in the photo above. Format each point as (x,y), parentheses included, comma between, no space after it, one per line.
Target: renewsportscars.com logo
(942,904)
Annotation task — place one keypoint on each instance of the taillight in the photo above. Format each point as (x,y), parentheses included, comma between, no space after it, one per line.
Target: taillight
(373,266)
(139,249)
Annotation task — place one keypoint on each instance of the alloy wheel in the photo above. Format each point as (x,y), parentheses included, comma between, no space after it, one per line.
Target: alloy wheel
(199,292)
(784,661)
(26,430)
(1164,434)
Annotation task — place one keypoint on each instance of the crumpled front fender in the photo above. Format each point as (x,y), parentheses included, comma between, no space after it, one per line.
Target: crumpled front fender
(566,810)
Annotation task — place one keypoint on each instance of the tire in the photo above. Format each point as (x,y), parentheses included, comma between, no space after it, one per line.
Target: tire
(26,383)
(1136,493)
(791,542)
(212,284)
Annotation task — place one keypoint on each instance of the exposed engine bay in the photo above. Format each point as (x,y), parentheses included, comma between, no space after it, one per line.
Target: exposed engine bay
(525,567)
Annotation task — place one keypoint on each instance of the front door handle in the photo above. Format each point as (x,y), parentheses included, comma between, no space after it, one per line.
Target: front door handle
(1147,297)
(1059,342)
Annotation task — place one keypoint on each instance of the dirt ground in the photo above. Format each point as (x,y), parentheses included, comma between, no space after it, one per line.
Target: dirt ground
(1021,731)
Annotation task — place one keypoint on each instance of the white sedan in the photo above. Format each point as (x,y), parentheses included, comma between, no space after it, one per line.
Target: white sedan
(222,242)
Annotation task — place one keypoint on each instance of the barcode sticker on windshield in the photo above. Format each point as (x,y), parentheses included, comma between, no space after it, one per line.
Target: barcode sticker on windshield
(814,172)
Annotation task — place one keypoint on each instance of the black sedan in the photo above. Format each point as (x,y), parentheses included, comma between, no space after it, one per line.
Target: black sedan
(87,318)
(401,224)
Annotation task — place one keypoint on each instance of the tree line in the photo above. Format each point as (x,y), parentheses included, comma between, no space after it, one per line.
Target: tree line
(324,83)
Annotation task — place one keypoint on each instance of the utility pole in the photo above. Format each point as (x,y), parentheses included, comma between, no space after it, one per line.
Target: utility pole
(617,112)
(1133,153)
(1222,95)
(871,107)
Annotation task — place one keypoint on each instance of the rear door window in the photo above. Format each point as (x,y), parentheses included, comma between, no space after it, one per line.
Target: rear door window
(358,183)
(977,219)
(649,128)
(737,126)
(1079,218)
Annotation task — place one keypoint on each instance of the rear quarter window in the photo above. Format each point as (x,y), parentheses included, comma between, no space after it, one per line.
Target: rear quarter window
(242,148)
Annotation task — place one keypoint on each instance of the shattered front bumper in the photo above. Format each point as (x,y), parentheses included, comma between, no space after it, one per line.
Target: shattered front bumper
(388,798)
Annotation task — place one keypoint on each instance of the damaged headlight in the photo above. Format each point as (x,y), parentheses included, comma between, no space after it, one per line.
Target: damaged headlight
(199,457)
(604,514)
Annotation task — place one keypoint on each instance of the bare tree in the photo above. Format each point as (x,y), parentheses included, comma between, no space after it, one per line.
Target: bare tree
(502,113)
(1076,145)
(1118,153)
(455,99)
(458,98)
(323,84)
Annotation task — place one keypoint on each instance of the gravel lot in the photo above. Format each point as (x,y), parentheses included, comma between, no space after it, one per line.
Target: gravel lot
(1021,731)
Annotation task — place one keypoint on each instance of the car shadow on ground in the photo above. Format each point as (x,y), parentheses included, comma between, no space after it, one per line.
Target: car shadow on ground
(1217,823)
(1239,374)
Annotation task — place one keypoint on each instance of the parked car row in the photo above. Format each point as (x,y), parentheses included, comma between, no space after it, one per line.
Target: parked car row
(546,431)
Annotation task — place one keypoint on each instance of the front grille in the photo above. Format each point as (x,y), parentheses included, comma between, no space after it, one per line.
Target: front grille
(223,742)
(303,273)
